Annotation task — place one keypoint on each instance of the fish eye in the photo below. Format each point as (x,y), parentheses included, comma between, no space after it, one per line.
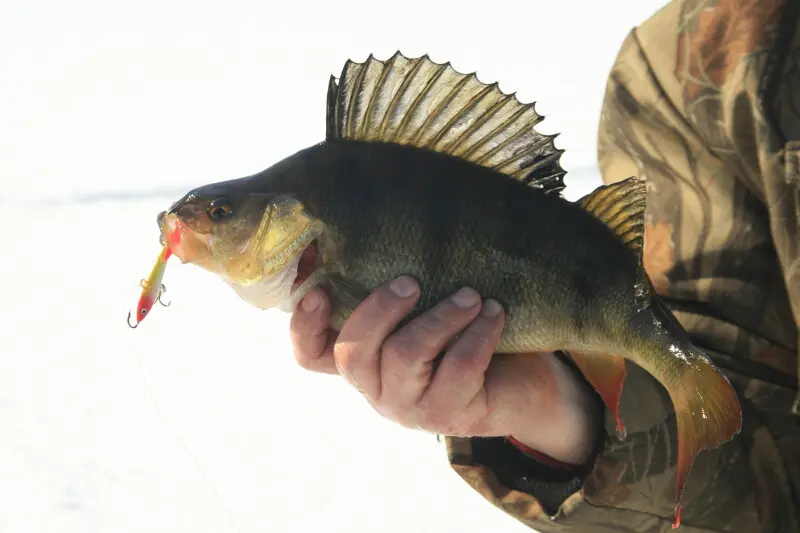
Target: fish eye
(143,312)
(219,209)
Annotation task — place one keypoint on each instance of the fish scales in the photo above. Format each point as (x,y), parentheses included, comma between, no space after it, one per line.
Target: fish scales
(449,223)
(428,172)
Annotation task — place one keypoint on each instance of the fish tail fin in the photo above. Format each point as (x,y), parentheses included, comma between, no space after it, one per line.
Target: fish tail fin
(707,414)
(427,105)
(707,408)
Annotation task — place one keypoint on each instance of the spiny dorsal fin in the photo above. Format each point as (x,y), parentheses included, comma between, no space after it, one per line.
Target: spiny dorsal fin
(420,103)
(621,207)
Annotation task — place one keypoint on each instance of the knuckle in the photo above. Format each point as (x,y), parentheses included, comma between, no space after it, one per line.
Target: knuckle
(390,410)
(467,426)
(437,413)
(313,364)
(395,412)
(396,347)
(434,420)
(305,349)
(484,332)
(390,393)
(417,338)
(427,332)
(461,361)
(299,326)
(346,357)
(303,360)
(462,421)
(455,424)
(419,334)
(407,422)
(339,367)
(476,338)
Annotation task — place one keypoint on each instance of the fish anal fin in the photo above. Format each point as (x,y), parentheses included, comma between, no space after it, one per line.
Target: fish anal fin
(422,104)
(707,413)
(621,207)
(606,373)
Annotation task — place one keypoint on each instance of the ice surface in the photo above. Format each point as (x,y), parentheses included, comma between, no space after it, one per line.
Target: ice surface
(109,113)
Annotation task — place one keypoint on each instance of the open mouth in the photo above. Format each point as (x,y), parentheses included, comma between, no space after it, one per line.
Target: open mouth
(309,261)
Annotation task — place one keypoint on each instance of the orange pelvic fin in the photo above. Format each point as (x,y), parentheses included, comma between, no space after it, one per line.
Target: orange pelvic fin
(606,373)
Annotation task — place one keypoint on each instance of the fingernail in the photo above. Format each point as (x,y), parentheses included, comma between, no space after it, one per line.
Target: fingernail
(311,302)
(466,298)
(491,308)
(403,287)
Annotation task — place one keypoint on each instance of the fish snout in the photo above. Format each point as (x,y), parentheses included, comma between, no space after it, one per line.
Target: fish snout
(161,228)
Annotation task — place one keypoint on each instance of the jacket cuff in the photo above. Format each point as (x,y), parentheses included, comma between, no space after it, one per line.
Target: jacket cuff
(551,482)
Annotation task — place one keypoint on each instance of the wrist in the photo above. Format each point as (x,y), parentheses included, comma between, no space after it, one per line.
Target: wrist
(562,453)
(571,421)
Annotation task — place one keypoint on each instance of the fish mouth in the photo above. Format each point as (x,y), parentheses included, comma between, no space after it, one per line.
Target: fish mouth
(309,262)
(185,244)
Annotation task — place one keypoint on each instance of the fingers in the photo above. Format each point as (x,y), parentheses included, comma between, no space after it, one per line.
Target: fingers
(460,376)
(408,355)
(311,335)
(394,369)
(357,351)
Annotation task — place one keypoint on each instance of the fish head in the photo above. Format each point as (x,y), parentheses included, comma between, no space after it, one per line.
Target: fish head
(254,240)
(212,224)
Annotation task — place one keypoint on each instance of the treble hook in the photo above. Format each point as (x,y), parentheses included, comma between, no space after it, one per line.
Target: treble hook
(161,291)
(129,322)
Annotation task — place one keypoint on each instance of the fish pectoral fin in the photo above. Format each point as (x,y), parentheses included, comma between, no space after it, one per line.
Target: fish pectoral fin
(707,413)
(606,373)
(345,296)
(621,207)
(423,104)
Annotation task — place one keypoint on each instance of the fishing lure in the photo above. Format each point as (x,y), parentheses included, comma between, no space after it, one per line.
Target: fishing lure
(152,288)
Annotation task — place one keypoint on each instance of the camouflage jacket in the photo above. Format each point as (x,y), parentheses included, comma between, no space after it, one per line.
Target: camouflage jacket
(703,101)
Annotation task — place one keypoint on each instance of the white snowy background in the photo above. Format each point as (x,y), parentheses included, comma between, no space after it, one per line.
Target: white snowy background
(200,420)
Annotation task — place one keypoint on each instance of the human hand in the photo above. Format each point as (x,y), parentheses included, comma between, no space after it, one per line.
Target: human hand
(533,397)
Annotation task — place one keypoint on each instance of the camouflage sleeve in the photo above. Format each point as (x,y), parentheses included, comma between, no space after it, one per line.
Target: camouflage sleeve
(689,105)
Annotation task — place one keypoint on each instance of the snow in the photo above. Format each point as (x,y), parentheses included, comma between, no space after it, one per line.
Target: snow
(200,420)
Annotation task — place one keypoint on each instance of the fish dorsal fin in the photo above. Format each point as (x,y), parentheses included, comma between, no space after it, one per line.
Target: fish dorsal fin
(621,207)
(420,103)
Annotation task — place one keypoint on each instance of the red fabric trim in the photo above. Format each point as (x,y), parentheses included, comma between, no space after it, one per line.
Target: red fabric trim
(539,456)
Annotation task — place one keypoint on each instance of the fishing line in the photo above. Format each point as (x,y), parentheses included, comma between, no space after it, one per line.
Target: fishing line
(177,437)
